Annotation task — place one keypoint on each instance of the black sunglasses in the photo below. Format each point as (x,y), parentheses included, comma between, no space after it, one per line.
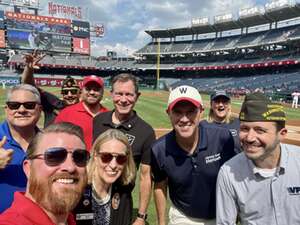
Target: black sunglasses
(17,105)
(73,91)
(108,157)
(57,155)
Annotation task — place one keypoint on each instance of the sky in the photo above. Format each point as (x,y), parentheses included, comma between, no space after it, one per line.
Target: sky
(125,21)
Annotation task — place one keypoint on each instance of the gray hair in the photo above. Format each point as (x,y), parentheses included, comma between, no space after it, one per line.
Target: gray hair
(24,87)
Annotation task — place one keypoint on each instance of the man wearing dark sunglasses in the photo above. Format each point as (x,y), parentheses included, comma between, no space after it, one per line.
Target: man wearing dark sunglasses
(125,94)
(70,90)
(82,113)
(56,172)
(22,110)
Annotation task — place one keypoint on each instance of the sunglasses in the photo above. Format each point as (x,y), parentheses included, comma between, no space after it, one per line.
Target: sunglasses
(17,105)
(73,91)
(108,157)
(57,155)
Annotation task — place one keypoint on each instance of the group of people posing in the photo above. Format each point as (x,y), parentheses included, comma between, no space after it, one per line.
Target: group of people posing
(81,168)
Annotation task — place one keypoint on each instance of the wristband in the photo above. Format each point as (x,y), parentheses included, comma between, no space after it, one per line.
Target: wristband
(142,215)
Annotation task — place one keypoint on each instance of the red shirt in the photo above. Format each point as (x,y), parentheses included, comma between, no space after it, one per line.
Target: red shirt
(78,115)
(24,211)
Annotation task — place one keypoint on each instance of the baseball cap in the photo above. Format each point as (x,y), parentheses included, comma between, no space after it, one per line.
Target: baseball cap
(185,93)
(69,83)
(92,78)
(219,93)
(257,107)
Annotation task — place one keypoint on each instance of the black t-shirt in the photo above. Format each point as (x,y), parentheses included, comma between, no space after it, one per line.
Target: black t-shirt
(139,133)
(233,127)
(192,178)
(51,106)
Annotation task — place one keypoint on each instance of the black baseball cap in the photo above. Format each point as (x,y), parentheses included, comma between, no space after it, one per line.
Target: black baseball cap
(219,93)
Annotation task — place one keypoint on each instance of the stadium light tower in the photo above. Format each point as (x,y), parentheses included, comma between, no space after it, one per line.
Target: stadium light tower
(248,12)
(200,21)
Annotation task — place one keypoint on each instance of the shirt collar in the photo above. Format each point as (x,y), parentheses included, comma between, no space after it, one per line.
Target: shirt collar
(128,124)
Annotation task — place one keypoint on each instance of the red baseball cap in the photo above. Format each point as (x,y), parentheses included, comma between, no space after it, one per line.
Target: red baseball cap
(92,78)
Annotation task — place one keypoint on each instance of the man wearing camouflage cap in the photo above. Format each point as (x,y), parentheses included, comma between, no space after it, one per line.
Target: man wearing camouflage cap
(51,104)
(261,185)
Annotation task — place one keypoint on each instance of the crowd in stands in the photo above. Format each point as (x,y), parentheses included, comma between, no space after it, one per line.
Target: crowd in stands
(81,168)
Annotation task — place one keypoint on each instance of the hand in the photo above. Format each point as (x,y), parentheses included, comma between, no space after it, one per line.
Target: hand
(139,221)
(5,155)
(32,59)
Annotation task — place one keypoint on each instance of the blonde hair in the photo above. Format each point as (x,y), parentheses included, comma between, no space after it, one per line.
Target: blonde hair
(228,118)
(129,171)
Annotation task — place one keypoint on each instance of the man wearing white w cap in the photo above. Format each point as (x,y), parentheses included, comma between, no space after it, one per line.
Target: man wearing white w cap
(187,161)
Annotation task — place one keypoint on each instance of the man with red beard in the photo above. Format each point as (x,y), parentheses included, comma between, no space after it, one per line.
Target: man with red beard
(82,113)
(56,172)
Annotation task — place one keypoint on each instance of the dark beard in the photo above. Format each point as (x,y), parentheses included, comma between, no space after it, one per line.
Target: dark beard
(57,203)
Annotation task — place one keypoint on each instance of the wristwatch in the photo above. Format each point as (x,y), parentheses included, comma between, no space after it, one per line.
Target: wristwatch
(142,215)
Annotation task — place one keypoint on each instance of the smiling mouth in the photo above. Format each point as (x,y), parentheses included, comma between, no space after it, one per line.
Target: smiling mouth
(66,180)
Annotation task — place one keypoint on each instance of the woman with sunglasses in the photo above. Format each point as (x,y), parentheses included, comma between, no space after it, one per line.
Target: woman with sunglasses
(111,173)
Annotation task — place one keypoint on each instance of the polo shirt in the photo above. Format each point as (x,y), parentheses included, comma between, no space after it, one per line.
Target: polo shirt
(233,127)
(244,191)
(12,177)
(139,133)
(192,178)
(78,115)
(26,212)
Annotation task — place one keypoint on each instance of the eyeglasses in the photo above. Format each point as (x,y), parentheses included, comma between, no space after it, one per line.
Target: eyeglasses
(17,105)
(73,91)
(57,155)
(108,157)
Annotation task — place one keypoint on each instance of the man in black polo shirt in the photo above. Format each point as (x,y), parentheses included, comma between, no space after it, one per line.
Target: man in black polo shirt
(140,134)
(187,161)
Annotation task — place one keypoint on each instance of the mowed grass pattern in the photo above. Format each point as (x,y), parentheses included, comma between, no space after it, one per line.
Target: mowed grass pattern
(151,106)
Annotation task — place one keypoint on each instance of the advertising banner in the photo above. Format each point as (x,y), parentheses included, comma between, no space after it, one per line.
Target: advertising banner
(80,29)
(2,39)
(81,45)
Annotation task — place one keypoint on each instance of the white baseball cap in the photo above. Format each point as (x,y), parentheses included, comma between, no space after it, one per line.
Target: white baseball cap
(185,93)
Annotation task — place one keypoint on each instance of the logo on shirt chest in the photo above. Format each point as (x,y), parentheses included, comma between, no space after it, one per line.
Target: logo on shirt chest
(212,158)
(130,138)
(294,190)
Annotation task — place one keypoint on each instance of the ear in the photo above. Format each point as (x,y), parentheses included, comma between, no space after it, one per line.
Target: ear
(282,133)
(26,167)
(138,95)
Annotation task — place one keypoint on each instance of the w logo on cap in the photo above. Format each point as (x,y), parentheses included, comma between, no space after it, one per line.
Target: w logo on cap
(183,90)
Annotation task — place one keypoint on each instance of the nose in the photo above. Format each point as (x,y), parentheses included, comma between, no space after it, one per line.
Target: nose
(68,165)
(69,93)
(113,163)
(21,108)
(250,136)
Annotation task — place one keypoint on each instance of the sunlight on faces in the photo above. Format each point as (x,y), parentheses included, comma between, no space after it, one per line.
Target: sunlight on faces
(57,188)
(259,140)
(124,97)
(108,173)
(185,118)
(71,96)
(220,107)
(23,117)
(92,93)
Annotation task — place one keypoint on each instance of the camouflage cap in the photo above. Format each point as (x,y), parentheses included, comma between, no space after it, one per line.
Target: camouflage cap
(69,83)
(257,107)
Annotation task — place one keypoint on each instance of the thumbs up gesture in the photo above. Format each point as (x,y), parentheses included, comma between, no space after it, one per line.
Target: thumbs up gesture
(5,154)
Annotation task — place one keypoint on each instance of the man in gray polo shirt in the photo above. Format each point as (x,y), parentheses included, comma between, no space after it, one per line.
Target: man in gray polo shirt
(261,185)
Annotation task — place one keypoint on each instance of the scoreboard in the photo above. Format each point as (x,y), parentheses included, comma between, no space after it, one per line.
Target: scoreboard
(28,31)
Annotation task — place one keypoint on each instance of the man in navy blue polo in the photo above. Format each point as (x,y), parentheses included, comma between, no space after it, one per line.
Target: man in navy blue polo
(187,161)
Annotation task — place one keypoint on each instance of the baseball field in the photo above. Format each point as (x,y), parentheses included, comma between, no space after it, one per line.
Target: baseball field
(151,106)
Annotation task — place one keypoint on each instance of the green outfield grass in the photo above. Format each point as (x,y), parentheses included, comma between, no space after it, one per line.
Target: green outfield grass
(152,108)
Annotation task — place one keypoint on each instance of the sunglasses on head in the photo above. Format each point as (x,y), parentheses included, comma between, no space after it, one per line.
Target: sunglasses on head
(17,105)
(66,91)
(108,157)
(56,156)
